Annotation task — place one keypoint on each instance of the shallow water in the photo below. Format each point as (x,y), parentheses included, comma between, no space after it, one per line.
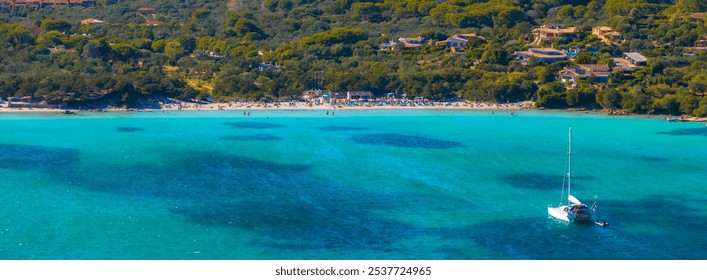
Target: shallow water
(358,185)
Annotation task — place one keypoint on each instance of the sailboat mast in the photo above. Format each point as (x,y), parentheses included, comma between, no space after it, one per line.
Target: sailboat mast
(569,163)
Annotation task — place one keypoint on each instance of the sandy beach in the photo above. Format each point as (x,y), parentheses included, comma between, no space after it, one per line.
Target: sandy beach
(301,105)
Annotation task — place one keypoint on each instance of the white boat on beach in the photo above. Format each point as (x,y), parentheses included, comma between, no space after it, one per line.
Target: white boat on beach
(573,210)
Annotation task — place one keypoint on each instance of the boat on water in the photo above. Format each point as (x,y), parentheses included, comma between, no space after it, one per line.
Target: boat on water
(573,210)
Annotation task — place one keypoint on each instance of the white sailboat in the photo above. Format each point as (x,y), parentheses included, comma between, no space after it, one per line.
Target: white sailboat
(573,211)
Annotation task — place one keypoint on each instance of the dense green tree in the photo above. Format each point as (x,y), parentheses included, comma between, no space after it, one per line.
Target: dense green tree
(337,41)
(60,25)
(609,99)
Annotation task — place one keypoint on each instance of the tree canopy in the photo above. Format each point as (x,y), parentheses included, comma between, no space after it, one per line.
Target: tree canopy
(276,49)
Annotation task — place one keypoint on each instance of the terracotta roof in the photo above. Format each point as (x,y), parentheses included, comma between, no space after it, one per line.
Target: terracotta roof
(566,30)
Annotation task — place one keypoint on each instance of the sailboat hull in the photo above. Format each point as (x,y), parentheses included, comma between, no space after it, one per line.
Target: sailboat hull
(559,213)
(565,213)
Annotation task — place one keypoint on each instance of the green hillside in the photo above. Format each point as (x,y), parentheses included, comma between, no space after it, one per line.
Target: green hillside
(276,49)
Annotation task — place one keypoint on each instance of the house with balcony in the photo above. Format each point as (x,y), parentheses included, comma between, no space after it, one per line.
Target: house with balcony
(607,34)
(458,42)
(554,31)
(598,72)
(412,43)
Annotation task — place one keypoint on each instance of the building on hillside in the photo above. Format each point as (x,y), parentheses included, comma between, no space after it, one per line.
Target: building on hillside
(701,43)
(152,23)
(636,58)
(54,3)
(540,55)
(600,73)
(458,42)
(607,34)
(623,65)
(78,2)
(388,46)
(264,66)
(35,4)
(92,21)
(554,31)
(699,46)
(145,11)
(412,42)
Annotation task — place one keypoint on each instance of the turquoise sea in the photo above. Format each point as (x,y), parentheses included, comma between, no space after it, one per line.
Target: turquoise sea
(389,185)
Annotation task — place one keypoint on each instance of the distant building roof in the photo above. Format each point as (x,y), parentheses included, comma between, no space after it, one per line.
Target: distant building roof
(636,57)
(595,67)
(390,45)
(555,30)
(412,42)
(546,51)
(92,21)
(146,10)
(542,54)
(467,36)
